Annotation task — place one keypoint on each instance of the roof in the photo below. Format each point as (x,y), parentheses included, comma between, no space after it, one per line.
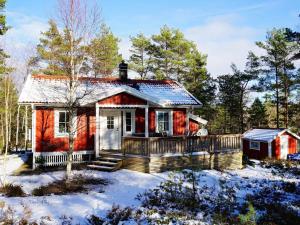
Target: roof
(266,135)
(198,119)
(53,89)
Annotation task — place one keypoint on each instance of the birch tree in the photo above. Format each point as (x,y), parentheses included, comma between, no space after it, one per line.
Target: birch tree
(80,23)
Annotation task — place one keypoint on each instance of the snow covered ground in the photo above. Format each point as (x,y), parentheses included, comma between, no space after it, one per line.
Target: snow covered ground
(124,187)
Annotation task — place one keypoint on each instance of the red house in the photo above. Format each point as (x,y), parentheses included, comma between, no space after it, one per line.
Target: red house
(109,109)
(271,143)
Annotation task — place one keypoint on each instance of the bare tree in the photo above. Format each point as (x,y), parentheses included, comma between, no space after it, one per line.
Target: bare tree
(81,22)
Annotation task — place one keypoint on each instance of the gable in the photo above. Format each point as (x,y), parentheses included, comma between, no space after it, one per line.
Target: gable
(122,99)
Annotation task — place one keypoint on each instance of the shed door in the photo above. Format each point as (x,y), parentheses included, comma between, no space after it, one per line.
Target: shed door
(284,146)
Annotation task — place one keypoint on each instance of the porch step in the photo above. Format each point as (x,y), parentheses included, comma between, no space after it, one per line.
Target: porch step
(107,162)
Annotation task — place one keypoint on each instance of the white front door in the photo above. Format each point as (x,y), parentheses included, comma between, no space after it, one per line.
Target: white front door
(110,129)
(284,146)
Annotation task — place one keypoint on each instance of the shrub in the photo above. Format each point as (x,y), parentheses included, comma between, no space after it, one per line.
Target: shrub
(12,190)
(74,185)
(8,216)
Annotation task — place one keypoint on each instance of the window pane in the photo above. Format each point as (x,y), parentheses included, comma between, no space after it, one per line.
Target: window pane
(128,121)
(163,121)
(62,128)
(110,122)
(62,117)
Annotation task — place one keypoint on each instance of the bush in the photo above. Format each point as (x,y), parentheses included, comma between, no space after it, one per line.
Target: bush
(8,216)
(74,185)
(12,190)
(114,216)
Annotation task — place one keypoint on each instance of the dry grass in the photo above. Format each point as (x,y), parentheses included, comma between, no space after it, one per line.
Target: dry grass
(63,187)
(12,190)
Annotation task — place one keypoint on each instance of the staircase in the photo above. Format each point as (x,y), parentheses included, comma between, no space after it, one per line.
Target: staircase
(107,161)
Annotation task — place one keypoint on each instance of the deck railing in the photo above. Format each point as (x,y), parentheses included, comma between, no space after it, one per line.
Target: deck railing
(181,144)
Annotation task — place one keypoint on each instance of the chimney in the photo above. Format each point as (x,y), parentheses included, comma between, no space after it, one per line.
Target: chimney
(123,71)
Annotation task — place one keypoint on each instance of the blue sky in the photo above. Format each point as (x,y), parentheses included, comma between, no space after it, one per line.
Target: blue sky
(225,30)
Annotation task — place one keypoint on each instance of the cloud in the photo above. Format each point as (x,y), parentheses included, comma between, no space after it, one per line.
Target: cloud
(224,42)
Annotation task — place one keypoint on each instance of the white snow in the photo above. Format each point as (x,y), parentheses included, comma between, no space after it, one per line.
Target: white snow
(266,135)
(38,90)
(124,187)
(13,162)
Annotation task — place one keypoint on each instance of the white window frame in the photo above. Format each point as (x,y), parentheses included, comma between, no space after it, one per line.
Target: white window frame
(56,123)
(129,133)
(250,147)
(170,131)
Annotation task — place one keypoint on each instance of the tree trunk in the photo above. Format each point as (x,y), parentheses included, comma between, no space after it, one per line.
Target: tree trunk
(17,128)
(277,98)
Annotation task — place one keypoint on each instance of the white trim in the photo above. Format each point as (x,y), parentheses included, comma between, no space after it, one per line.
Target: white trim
(97,137)
(269,149)
(187,121)
(57,134)
(120,106)
(33,141)
(147,121)
(170,111)
(129,133)
(258,149)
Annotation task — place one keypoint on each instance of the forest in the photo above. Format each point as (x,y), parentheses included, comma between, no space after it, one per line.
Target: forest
(228,102)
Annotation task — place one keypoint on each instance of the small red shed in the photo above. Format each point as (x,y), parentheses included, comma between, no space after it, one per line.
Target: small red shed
(271,143)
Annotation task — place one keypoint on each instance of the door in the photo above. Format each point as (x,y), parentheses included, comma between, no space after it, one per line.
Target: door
(284,146)
(110,129)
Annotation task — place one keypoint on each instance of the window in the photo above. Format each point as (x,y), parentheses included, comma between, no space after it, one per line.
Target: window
(110,122)
(128,123)
(164,122)
(63,122)
(254,145)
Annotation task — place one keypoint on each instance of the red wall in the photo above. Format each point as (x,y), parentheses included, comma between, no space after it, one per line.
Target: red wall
(123,99)
(193,126)
(255,154)
(45,140)
(179,121)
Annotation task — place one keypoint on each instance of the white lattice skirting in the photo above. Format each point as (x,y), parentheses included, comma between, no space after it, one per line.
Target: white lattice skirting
(60,158)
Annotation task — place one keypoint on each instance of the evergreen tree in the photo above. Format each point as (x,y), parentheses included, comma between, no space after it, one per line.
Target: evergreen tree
(103,52)
(278,71)
(199,82)
(170,52)
(53,50)
(140,60)
(3,29)
(257,114)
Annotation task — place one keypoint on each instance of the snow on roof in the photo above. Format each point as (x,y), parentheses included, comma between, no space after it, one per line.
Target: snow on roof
(54,89)
(198,119)
(265,135)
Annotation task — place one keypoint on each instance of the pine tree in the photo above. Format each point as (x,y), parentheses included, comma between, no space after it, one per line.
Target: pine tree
(257,114)
(170,52)
(199,82)
(140,60)
(278,70)
(103,52)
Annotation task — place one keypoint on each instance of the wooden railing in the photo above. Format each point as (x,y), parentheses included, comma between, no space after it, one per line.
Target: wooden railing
(181,144)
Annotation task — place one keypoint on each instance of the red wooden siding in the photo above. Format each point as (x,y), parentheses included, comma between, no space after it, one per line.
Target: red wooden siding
(193,126)
(123,99)
(151,119)
(179,121)
(292,145)
(47,142)
(140,120)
